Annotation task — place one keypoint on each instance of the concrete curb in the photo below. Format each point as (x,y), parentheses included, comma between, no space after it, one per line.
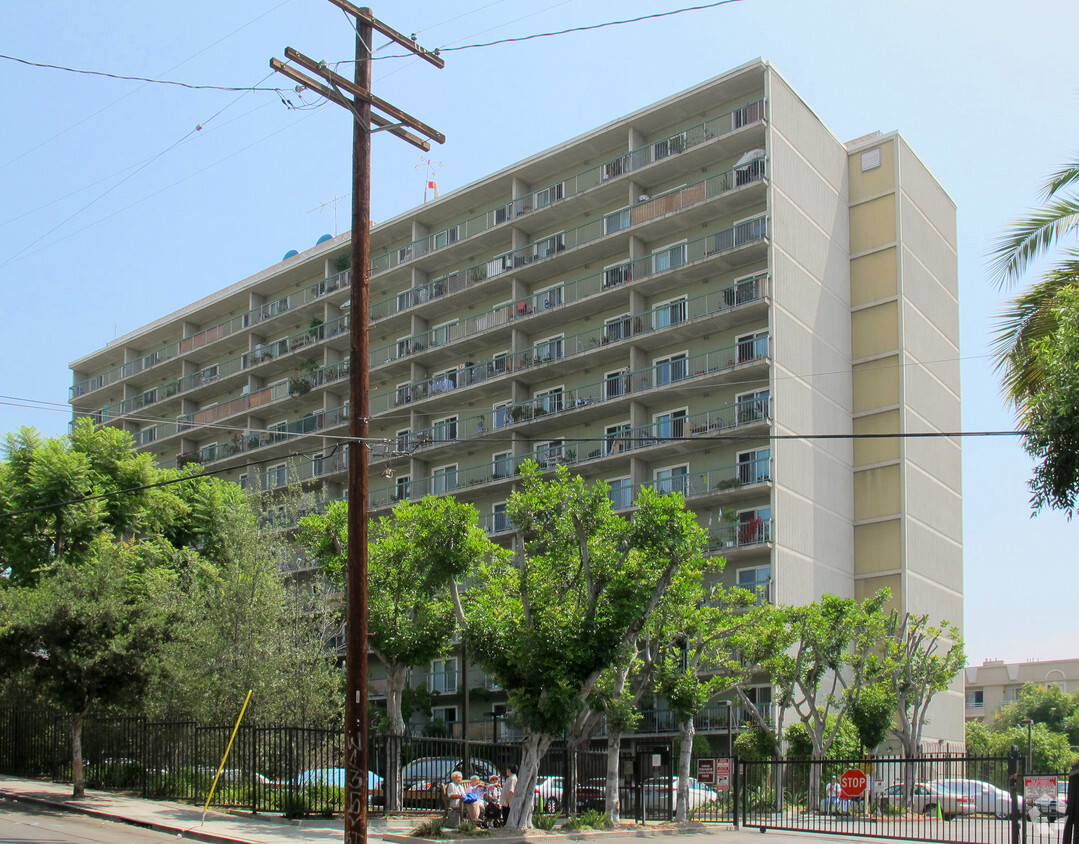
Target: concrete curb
(193,834)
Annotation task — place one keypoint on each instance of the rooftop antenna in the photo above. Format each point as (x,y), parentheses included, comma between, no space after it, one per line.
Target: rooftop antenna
(429,184)
(322,206)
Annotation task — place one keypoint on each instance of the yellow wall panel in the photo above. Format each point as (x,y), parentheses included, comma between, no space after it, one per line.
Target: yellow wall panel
(876,492)
(865,587)
(877,547)
(873,277)
(869,452)
(871,182)
(872,224)
(876,384)
(875,330)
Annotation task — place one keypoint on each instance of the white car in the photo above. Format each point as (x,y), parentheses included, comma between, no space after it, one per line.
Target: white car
(550,790)
(697,795)
(986,798)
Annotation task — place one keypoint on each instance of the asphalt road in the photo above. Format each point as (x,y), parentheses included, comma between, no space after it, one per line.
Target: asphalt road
(23,824)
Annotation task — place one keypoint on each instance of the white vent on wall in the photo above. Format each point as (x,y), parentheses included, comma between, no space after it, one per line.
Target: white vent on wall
(871,159)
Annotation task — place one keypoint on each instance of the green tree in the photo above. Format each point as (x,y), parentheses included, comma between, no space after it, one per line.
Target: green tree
(872,713)
(920,661)
(1052,409)
(416,556)
(847,744)
(1048,705)
(1031,316)
(701,661)
(91,634)
(549,622)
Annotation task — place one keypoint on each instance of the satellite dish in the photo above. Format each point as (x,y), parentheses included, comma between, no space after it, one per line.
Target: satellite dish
(292,253)
(323,239)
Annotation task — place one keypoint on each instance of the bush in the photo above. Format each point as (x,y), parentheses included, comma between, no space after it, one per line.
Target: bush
(543,821)
(427,829)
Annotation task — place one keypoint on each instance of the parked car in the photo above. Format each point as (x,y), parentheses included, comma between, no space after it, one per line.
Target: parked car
(1054,807)
(550,790)
(335,777)
(985,798)
(697,794)
(422,779)
(925,799)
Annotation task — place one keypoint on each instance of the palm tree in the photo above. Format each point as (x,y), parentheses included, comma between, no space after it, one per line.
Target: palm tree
(1030,317)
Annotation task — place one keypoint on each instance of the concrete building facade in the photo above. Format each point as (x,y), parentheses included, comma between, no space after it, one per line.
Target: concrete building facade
(712,295)
(995,683)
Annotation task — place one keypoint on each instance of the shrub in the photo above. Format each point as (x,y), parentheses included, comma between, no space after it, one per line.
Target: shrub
(427,829)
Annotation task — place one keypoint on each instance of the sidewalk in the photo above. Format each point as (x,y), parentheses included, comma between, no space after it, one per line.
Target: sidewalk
(186,821)
(218,827)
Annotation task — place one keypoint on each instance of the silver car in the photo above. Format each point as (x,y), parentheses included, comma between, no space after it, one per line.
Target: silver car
(987,798)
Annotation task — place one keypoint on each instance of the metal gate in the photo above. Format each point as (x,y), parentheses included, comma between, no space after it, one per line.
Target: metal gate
(929,798)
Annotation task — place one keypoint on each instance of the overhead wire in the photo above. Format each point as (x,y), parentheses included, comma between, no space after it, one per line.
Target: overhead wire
(136,90)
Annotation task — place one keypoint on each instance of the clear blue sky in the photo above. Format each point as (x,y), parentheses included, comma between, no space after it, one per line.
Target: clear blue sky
(116,211)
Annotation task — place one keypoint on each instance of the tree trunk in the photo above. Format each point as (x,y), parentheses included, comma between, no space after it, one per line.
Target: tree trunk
(534,746)
(686,732)
(79,788)
(611,796)
(395,686)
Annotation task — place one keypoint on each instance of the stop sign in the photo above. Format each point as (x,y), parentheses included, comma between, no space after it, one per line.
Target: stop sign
(853,782)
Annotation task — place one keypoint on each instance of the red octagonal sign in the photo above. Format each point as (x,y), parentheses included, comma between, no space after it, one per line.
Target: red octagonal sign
(853,782)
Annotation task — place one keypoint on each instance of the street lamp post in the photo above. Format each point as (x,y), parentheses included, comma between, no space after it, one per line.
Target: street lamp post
(1029,724)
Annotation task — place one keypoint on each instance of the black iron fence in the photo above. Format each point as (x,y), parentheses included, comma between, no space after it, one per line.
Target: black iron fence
(299,771)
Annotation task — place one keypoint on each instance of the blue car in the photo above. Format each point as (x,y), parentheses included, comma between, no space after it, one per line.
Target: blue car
(336,777)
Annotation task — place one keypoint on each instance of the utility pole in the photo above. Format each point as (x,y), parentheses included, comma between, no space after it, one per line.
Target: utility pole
(365,121)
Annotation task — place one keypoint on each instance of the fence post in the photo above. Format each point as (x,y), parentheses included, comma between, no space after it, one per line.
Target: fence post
(736,787)
(255,791)
(1013,768)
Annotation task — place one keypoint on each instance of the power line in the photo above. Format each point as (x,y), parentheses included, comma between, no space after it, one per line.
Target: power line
(146,79)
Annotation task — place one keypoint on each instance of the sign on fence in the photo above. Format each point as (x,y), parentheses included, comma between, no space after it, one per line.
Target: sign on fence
(716,772)
(1035,788)
(853,782)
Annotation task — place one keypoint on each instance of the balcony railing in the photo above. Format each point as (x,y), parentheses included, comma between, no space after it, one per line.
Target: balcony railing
(574,452)
(743,535)
(748,231)
(741,293)
(243,443)
(209,335)
(635,159)
(662,374)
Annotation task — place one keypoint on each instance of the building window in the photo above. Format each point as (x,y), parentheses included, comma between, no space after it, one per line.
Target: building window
(755,526)
(444,479)
(617,438)
(616,275)
(670,425)
(444,238)
(618,328)
(614,384)
(444,430)
(752,407)
(278,432)
(752,346)
(550,349)
(441,334)
(403,440)
(975,699)
(502,414)
(754,466)
(444,676)
(548,195)
(402,488)
(669,258)
(502,464)
(500,518)
(316,466)
(549,401)
(547,246)
(550,298)
(672,479)
(549,454)
(1011,695)
(761,697)
(444,382)
(669,146)
(277,476)
(243,482)
(148,435)
(670,313)
(621,493)
(671,369)
(403,394)
(757,580)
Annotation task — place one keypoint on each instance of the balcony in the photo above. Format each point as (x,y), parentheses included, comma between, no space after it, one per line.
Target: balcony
(534,202)
(203,338)
(243,443)
(550,246)
(665,374)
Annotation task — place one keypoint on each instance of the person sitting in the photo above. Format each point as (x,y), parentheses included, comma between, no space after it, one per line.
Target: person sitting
(834,801)
(455,791)
(492,795)
(473,799)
